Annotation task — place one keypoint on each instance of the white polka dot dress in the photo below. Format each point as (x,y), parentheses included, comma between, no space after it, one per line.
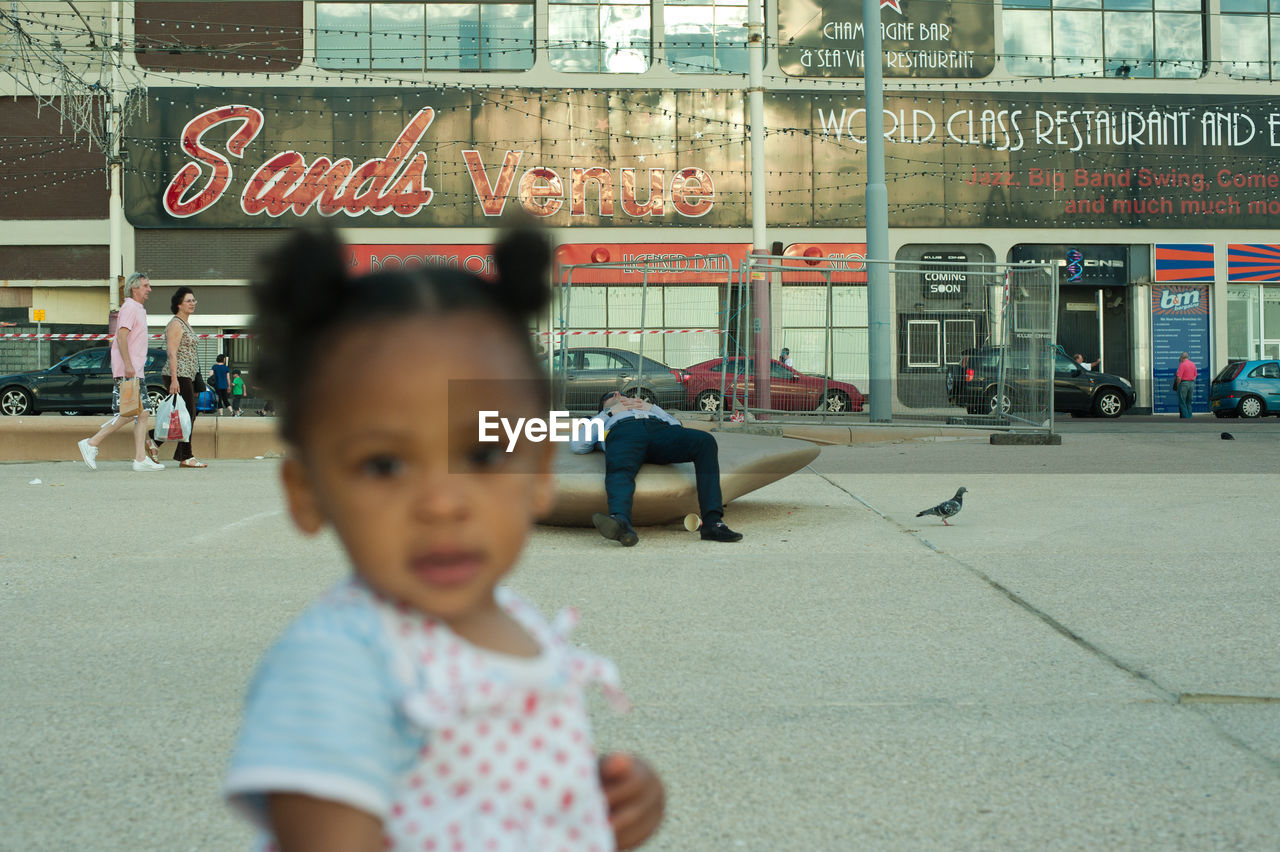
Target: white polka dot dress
(509,763)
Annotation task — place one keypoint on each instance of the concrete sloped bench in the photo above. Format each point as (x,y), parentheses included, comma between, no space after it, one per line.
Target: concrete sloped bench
(665,493)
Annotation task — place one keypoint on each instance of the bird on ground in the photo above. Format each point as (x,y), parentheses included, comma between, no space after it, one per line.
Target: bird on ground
(1227,436)
(947,508)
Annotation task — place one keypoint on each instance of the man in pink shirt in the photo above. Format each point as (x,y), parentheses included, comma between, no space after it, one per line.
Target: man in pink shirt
(1186,377)
(128,363)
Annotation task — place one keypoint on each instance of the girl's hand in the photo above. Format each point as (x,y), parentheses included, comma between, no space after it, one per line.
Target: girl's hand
(635,796)
(173,386)
(306,824)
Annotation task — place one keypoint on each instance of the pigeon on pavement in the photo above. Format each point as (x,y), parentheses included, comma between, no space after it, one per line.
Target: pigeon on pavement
(1227,436)
(947,508)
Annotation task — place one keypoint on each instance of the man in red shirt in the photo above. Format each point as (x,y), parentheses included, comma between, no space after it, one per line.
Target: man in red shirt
(1186,377)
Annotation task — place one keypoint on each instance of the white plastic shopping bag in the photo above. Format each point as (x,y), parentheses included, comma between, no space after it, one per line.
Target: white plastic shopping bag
(173,422)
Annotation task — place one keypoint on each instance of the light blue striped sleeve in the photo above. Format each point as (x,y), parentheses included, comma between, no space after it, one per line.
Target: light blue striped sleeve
(320,717)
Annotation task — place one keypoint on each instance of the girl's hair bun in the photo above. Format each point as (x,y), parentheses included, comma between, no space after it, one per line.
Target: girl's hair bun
(306,275)
(523,259)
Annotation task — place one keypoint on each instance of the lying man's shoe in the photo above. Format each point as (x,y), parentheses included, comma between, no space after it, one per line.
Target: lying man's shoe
(616,528)
(719,532)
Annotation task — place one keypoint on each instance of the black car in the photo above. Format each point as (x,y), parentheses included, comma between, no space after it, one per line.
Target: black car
(973,384)
(78,384)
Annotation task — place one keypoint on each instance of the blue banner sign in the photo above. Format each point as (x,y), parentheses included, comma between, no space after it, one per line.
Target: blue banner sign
(1179,323)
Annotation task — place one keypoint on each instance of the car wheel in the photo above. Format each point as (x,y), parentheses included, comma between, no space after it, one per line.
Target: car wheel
(644,395)
(15,402)
(1109,403)
(837,402)
(154,395)
(1249,406)
(709,400)
(998,405)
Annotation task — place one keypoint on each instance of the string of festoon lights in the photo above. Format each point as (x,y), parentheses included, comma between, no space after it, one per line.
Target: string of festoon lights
(565,122)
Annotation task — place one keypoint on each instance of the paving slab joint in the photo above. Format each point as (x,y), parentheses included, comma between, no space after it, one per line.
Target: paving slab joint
(1213,698)
(1027,439)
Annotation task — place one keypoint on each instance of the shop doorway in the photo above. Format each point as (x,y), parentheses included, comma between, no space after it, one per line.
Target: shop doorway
(1094,321)
(928,343)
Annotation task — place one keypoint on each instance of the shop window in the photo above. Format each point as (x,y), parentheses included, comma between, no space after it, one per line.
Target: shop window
(705,36)
(1243,302)
(598,35)
(1113,38)
(923,343)
(477,36)
(595,307)
(825,338)
(1251,38)
(1253,321)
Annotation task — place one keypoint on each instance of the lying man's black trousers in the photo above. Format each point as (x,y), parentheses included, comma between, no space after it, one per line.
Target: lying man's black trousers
(634,441)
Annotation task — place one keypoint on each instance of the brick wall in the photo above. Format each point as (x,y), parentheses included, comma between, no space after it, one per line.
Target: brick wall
(51,262)
(225,36)
(211,254)
(19,356)
(46,172)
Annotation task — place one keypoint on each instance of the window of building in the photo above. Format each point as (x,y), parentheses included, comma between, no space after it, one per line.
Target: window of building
(476,36)
(704,36)
(1253,321)
(805,316)
(1113,38)
(1251,38)
(599,35)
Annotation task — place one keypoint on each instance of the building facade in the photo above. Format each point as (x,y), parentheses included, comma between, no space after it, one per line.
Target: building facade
(1133,144)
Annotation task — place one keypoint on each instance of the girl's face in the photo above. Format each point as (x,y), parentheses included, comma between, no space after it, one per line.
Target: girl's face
(390,457)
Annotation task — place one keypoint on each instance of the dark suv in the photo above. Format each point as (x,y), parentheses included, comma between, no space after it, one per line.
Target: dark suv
(79,383)
(973,384)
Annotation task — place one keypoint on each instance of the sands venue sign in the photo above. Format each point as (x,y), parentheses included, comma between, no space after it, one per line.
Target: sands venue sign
(288,183)
(431,157)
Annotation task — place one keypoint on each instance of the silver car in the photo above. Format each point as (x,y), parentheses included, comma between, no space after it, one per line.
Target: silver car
(581,377)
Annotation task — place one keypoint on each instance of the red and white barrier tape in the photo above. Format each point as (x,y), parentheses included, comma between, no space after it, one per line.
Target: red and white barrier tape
(248,336)
(110,336)
(638,331)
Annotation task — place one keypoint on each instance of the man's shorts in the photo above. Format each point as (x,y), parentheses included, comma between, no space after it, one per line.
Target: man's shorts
(115,396)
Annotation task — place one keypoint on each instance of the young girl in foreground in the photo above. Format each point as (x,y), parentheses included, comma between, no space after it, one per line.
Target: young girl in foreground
(419,704)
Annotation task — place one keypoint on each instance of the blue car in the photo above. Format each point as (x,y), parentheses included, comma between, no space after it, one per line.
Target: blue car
(1246,389)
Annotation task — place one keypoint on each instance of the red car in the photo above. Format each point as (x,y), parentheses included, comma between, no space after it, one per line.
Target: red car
(789,390)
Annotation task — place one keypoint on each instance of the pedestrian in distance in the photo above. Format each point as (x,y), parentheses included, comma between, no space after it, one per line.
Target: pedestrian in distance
(128,364)
(237,392)
(220,382)
(179,373)
(636,432)
(785,357)
(421,701)
(1184,384)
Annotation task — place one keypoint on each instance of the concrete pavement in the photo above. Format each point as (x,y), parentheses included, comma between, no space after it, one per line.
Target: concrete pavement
(1087,658)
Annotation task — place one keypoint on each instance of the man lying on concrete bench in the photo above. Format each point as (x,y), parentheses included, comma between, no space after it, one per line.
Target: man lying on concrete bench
(636,432)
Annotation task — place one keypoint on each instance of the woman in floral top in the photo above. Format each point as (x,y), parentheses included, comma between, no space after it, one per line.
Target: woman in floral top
(180,342)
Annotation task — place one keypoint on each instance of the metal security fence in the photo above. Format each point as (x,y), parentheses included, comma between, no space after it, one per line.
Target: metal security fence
(635,326)
(985,358)
(972,343)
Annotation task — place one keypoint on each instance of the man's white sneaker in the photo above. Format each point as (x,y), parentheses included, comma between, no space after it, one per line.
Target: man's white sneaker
(147,464)
(89,453)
